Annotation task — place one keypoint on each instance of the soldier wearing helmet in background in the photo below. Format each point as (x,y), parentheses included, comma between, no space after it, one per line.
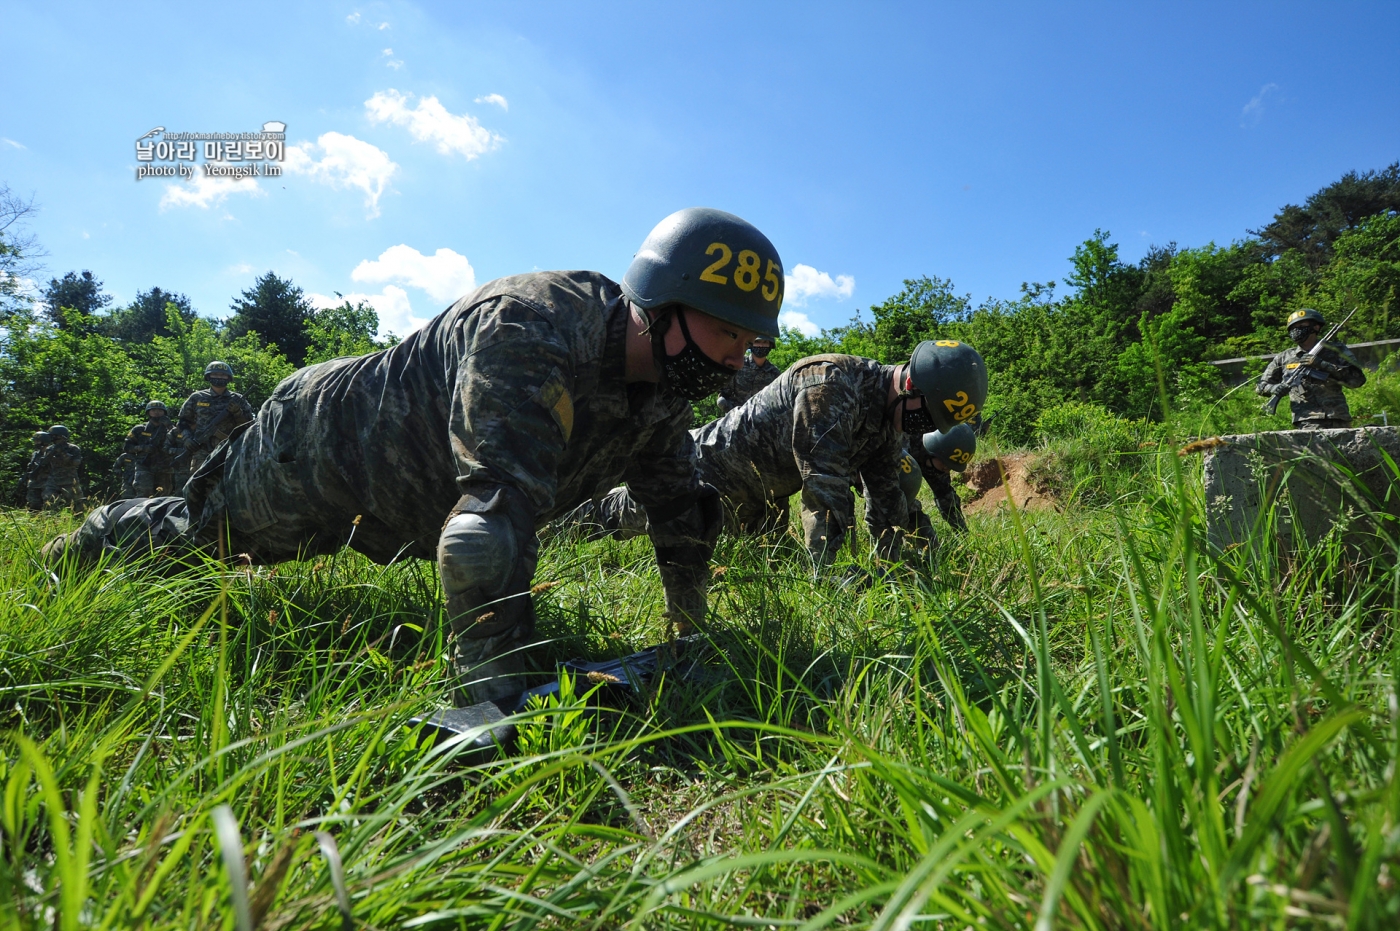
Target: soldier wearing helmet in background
(35,473)
(62,460)
(829,423)
(148,448)
(207,418)
(758,373)
(1317,401)
(511,407)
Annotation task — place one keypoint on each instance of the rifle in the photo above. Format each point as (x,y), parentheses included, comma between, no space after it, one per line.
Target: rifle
(1304,367)
(200,438)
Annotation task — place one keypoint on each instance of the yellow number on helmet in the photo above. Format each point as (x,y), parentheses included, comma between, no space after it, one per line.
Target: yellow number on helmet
(956,401)
(969,411)
(946,342)
(725,254)
(772,276)
(904,466)
(746,275)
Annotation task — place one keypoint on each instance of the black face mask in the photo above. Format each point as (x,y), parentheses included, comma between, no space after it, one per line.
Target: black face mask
(690,373)
(760,352)
(1299,334)
(914,421)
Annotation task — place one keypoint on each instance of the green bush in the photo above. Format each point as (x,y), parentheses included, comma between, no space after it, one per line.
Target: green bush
(1088,453)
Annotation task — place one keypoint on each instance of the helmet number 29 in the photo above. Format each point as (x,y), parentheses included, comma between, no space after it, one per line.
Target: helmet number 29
(959,406)
(746,275)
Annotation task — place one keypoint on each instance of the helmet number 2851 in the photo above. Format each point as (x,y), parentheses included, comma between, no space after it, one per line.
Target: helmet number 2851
(746,276)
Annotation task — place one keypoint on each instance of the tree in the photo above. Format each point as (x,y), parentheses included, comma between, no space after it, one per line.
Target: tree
(343,330)
(278,312)
(1312,229)
(913,315)
(79,291)
(145,317)
(19,251)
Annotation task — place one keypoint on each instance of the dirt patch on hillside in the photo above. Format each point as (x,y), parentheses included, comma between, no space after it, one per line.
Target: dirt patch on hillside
(985,478)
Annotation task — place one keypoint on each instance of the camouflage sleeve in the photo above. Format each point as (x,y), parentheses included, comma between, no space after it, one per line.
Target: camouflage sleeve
(949,504)
(244,413)
(1348,369)
(512,406)
(1273,375)
(133,444)
(186,420)
(683,522)
(822,418)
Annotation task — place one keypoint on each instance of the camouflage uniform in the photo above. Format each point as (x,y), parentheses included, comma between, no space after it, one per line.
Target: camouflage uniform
(1317,403)
(199,411)
(127,529)
(747,382)
(127,465)
(820,428)
(512,402)
(147,445)
(61,463)
(35,475)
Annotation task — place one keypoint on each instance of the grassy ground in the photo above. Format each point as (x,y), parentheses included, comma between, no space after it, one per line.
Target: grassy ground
(1072,720)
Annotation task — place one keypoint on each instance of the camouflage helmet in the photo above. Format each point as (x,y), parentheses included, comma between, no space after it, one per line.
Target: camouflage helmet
(1305,315)
(952,377)
(155,406)
(218,368)
(714,262)
(59,429)
(954,448)
(910,478)
(41,436)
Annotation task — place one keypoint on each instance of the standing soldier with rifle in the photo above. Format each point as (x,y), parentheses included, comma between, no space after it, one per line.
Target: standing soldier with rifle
(1312,374)
(207,418)
(61,463)
(125,465)
(32,487)
(146,446)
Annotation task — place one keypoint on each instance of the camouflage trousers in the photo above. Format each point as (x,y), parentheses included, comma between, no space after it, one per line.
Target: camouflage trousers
(1332,423)
(149,483)
(34,496)
(58,493)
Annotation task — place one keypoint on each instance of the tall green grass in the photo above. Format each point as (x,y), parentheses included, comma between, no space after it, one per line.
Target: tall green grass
(1080,720)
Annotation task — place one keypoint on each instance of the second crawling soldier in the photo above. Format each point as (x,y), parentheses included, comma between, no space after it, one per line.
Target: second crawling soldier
(207,418)
(934,458)
(526,397)
(829,423)
(758,373)
(147,445)
(1316,401)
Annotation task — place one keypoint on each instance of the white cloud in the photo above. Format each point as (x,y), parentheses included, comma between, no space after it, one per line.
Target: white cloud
(203,191)
(429,121)
(242,268)
(382,26)
(445,275)
(1253,111)
(353,18)
(392,305)
(388,53)
(19,145)
(798,321)
(396,64)
(806,282)
(496,99)
(345,162)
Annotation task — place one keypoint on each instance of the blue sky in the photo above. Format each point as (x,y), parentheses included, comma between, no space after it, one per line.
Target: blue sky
(433,146)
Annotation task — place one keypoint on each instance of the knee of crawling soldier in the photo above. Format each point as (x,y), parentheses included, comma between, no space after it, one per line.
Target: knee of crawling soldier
(476,555)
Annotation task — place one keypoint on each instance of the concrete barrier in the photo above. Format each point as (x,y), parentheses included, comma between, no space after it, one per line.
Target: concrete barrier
(1315,476)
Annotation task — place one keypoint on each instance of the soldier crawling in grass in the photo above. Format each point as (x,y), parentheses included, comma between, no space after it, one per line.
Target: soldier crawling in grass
(933,459)
(520,401)
(828,423)
(1316,401)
